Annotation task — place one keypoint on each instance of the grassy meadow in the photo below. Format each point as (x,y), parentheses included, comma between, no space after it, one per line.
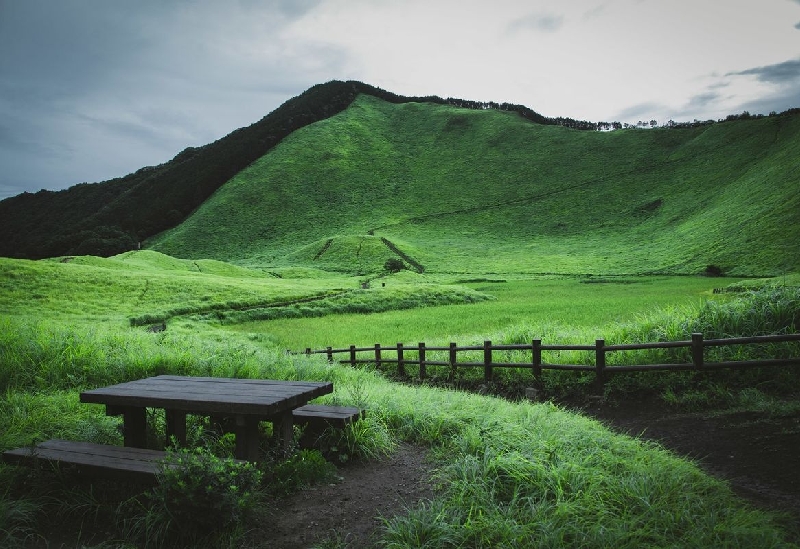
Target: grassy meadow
(508,472)
(569,309)
(508,231)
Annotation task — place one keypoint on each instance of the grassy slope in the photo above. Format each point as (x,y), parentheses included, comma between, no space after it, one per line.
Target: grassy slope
(142,283)
(146,287)
(510,472)
(486,191)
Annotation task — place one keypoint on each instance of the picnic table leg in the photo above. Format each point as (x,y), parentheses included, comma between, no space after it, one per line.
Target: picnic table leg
(247,438)
(134,425)
(283,429)
(176,427)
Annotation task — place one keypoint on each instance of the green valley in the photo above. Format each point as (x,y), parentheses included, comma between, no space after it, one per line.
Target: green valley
(291,234)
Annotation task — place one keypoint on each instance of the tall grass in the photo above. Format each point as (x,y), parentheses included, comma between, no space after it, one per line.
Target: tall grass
(763,310)
(510,473)
(557,310)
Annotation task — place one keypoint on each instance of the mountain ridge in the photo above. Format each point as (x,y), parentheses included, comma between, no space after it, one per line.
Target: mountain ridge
(113,216)
(118,215)
(447,184)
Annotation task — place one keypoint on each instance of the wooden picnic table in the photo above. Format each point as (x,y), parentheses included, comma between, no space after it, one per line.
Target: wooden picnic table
(248,401)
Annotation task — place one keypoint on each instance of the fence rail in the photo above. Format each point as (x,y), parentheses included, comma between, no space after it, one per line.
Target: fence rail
(600,350)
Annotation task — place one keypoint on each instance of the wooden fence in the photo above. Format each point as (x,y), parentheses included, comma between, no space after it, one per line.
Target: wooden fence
(420,352)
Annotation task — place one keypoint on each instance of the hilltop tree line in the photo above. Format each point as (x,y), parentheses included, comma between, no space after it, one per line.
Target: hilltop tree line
(117,215)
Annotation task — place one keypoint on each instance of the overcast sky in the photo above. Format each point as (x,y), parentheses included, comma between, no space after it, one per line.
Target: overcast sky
(96,89)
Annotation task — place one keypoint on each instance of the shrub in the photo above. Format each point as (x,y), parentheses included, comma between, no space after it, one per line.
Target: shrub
(394,265)
(200,492)
(302,469)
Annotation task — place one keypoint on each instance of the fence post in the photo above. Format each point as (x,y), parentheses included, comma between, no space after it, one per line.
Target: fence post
(401,367)
(697,350)
(308,350)
(378,356)
(536,360)
(487,361)
(422,372)
(452,360)
(329,352)
(599,363)
(352,355)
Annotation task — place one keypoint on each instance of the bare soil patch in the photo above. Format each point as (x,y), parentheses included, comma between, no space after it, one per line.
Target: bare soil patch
(350,511)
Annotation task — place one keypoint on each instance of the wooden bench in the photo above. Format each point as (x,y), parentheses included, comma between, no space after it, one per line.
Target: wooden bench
(317,418)
(324,416)
(85,458)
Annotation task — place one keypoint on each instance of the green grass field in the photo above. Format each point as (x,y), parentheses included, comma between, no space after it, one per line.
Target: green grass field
(509,231)
(509,471)
(559,310)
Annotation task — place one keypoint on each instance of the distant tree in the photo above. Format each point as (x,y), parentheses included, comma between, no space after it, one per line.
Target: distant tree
(394,265)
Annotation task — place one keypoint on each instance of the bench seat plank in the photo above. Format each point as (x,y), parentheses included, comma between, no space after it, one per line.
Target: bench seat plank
(338,416)
(133,464)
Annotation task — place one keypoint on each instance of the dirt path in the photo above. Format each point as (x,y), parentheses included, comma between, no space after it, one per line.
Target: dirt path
(350,510)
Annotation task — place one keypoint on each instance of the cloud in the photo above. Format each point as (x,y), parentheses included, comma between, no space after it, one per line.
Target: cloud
(537,22)
(778,102)
(640,112)
(797,26)
(702,101)
(96,87)
(92,89)
(779,73)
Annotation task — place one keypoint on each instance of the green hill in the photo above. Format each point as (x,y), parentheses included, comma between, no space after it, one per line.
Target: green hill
(112,217)
(449,189)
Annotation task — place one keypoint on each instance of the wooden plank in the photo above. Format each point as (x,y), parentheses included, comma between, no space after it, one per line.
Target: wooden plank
(209,395)
(325,411)
(216,384)
(204,391)
(130,464)
(283,430)
(231,406)
(175,426)
(246,429)
(135,427)
(86,458)
(317,418)
(334,415)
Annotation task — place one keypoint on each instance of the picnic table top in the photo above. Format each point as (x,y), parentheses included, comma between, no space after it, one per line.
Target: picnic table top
(211,395)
